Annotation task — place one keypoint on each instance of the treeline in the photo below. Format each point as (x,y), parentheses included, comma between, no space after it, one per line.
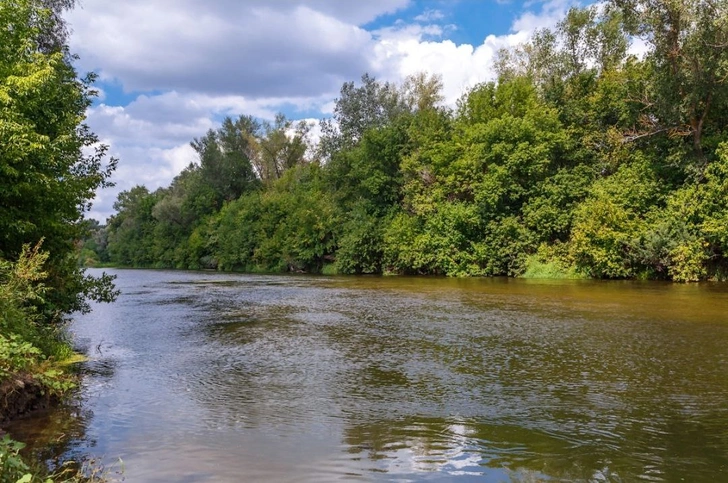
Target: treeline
(581,160)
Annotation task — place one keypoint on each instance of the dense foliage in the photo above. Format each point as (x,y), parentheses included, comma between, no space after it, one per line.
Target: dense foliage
(50,166)
(581,160)
(50,163)
(26,343)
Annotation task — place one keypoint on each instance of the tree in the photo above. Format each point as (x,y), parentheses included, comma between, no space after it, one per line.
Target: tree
(689,61)
(370,105)
(50,162)
(54,36)
(131,229)
(225,159)
(421,92)
(280,146)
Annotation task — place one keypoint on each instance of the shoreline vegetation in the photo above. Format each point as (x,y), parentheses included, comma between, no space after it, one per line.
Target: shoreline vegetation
(36,367)
(580,161)
(50,166)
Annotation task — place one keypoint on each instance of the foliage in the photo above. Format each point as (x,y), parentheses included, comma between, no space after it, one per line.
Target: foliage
(14,470)
(360,243)
(225,161)
(50,166)
(551,261)
(29,351)
(50,162)
(27,347)
(25,342)
(606,222)
(12,467)
(688,62)
(16,355)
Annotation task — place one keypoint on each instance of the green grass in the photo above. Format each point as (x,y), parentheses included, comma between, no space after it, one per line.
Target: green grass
(329,269)
(552,269)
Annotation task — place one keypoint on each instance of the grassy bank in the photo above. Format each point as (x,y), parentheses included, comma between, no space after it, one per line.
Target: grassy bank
(31,348)
(34,355)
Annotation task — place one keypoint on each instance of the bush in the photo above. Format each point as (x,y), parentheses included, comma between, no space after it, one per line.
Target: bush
(607,223)
(28,347)
(360,244)
(12,467)
(551,262)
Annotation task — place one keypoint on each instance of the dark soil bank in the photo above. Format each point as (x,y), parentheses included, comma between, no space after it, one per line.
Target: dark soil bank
(21,395)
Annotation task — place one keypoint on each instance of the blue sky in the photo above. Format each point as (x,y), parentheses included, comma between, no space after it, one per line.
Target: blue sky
(169,70)
(473,19)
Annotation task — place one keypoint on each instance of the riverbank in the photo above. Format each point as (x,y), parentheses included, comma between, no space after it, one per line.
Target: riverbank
(22,394)
(29,383)
(33,348)
(35,356)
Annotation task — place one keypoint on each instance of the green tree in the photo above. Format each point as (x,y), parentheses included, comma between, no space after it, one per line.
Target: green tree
(278,147)
(131,229)
(610,220)
(47,176)
(225,160)
(359,108)
(688,60)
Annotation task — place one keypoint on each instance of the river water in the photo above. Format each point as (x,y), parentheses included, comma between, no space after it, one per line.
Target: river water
(197,376)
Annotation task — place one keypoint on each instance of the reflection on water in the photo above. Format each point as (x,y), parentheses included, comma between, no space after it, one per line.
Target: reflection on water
(213,377)
(56,438)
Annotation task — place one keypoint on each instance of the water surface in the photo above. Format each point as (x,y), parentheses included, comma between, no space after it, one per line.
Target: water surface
(223,377)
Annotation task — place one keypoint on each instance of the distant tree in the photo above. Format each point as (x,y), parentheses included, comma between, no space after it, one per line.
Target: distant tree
(278,146)
(131,229)
(359,108)
(225,159)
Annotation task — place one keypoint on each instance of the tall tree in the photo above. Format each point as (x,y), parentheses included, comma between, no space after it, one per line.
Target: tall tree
(689,60)
(359,108)
(131,229)
(225,159)
(50,162)
(278,146)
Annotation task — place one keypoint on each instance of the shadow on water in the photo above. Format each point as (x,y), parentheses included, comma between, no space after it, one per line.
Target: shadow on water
(58,436)
(219,377)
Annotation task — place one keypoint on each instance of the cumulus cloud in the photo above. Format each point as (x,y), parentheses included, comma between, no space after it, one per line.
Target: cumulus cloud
(251,48)
(189,63)
(405,50)
(151,150)
(461,66)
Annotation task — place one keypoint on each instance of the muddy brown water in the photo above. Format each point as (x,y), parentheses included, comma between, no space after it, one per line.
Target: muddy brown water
(225,377)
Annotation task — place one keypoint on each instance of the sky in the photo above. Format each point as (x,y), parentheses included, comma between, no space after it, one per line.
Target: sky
(170,70)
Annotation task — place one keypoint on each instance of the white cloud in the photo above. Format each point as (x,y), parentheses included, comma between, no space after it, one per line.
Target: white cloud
(430,16)
(199,61)
(550,13)
(405,50)
(461,66)
(353,12)
(222,47)
(638,47)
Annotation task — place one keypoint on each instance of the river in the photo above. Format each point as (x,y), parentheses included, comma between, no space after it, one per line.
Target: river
(201,377)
